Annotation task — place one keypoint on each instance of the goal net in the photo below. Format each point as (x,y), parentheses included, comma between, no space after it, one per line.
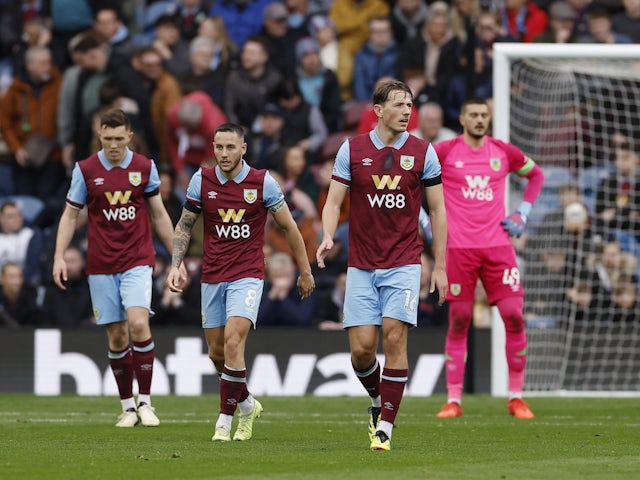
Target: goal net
(575,109)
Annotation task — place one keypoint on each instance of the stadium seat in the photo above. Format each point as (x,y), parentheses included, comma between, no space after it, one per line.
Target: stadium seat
(548,201)
(352,114)
(333,142)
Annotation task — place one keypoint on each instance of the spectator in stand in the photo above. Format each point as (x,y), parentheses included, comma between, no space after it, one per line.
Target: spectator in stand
(267,142)
(70,308)
(330,310)
(318,85)
(351,18)
(243,18)
(522,20)
(79,95)
(625,301)
(295,172)
(324,31)
(19,243)
(200,75)
(280,38)
(407,19)
(618,197)
(580,7)
(225,52)
(28,125)
(250,87)
(172,203)
(560,28)
(108,23)
(487,33)
(431,127)
(434,54)
(429,313)
(67,18)
(300,12)
(35,33)
(191,122)
(18,305)
(628,21)
(281,303)
(303,123)
(155,91)
(599,28)
(191,14)
(171,46)
(176,308)
(303,211)
(375,60)
(13,22)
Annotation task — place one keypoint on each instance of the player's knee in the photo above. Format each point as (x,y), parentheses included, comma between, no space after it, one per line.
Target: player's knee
(459,318)
(511,312)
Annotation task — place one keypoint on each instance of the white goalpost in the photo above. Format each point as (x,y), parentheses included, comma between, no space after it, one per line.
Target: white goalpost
(575,109)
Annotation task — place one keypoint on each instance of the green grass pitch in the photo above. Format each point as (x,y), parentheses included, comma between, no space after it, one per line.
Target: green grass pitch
(72,437)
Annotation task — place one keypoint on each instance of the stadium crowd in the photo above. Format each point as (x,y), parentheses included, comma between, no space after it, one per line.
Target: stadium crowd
(299,76)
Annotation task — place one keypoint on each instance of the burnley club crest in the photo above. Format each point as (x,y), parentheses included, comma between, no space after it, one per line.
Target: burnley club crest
(135,178)
(250,195)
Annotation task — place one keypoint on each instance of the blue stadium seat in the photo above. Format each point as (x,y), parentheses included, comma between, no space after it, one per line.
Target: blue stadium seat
(589,180)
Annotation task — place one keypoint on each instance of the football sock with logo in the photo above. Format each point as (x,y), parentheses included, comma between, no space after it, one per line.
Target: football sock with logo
(456,348)
(232,383)
(391,390)
(143,355)
(370,379)
(122,367)
(246,401)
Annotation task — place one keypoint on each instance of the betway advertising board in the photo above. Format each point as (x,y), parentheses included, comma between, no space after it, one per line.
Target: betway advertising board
(280,362)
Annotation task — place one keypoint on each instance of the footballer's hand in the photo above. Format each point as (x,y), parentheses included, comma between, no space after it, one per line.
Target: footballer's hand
(323,249)
(60,272)
(306,284)
(439,280)
(514,224)
(176,278)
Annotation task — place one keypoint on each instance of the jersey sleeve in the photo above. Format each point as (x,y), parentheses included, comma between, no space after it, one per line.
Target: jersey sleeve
(77,195)
(154,180)
(193,201)
(431,165)
(518,161)
(341,167)
(442,149)
(271,193)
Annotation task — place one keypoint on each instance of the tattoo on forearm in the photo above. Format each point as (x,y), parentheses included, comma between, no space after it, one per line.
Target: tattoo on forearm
(182,237)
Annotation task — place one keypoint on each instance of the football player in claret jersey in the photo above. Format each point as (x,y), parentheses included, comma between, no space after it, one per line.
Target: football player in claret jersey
(475,167)
(385,173)
(120,189)
(234,200)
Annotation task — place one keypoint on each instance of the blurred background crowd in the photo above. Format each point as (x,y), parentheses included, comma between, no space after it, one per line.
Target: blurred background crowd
(298,75)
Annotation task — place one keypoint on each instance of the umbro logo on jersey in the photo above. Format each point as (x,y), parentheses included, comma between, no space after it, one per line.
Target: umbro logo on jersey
(212,194)
(458,164)
(98,181)
(367,162)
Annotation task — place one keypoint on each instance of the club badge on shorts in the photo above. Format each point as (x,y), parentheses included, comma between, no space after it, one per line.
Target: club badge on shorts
(135,178)
(495,164)
(407,161)
(250,195)
(455,289)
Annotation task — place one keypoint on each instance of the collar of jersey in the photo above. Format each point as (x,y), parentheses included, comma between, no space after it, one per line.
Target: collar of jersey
(108,165)
(373,135)
(238,178)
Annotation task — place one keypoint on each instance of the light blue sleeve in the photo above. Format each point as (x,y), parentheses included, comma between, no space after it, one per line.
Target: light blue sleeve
(271,193)
(342,166)
(78,189)
(194,192)
(154,179)
(431,164)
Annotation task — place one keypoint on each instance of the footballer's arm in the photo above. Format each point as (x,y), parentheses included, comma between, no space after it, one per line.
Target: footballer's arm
(66,227)
(330,217)
(438,216)
(181,239)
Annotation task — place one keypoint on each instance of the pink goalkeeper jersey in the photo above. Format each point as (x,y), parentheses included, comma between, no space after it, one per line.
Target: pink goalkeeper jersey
(474,183)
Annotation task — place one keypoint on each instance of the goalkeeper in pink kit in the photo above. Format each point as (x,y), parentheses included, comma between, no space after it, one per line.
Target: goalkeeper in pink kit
(475,167)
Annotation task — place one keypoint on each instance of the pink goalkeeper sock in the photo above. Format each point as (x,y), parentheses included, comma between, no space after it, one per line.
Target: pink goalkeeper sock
(455,361)
(516,359)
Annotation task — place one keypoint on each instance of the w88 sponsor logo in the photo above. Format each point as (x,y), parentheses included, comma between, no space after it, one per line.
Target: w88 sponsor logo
(387,200)
(121,214)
